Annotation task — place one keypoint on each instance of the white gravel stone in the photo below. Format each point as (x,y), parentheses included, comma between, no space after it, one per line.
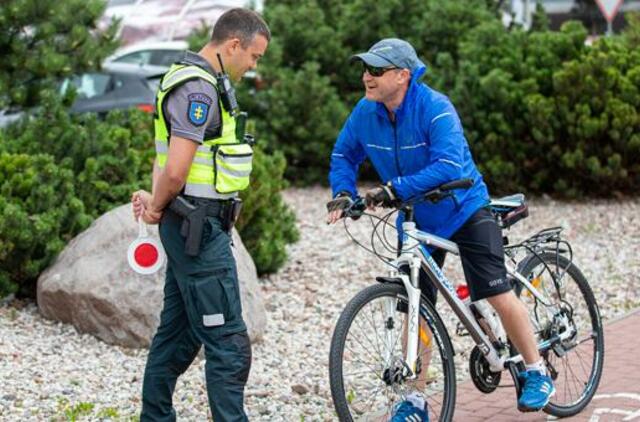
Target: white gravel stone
(47,368)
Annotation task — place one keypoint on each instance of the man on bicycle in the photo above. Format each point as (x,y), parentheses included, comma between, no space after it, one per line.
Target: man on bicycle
(413,137)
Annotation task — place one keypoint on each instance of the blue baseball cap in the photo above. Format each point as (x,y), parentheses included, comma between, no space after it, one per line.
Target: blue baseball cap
(391,52)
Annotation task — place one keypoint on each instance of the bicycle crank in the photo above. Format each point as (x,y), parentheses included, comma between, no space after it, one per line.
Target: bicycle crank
(482,376)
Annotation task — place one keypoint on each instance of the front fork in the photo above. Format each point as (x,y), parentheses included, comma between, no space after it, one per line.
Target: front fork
(410,364)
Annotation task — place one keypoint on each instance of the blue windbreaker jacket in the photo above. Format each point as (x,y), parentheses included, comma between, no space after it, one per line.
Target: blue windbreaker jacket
(424,148)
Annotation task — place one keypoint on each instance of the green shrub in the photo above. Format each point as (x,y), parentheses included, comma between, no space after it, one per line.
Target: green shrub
(544,113)
(39,213)
(110,158)
(310,84)
(266,224)
(44,40)
(305,113)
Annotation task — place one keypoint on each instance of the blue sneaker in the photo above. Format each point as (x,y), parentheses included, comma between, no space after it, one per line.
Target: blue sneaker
(537,389)
(407,412)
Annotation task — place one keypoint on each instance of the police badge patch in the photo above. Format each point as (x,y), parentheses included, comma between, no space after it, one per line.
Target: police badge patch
(199,105)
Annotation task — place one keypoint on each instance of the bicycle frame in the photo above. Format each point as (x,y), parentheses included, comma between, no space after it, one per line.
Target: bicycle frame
(416,255)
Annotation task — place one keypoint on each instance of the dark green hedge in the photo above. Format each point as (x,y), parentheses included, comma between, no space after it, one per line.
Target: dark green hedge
(543,112)
(39,213)
(60,171)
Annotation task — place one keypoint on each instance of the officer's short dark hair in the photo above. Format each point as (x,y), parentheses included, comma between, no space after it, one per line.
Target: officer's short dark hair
(240,23)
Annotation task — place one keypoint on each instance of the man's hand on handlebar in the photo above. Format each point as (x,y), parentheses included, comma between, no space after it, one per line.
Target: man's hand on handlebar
(385,196)
(381,196)
(337,206)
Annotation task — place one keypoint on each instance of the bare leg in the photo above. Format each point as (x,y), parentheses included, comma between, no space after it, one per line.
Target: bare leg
(515,320)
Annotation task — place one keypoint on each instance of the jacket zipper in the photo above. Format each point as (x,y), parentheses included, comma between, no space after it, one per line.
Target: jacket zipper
(395,141)
(249,154)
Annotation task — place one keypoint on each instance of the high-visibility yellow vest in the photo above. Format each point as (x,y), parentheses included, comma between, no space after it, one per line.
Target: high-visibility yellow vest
(221,166)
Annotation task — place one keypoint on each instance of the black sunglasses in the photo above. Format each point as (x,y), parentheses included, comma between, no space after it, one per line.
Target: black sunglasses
(376,71)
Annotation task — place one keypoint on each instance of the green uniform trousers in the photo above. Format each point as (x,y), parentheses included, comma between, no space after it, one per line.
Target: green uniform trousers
(201,307)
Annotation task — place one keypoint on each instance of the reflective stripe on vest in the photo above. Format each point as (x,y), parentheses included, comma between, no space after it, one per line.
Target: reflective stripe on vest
(201,180)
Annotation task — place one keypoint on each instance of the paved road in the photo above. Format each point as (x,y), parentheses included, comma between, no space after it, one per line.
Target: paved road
(617,398)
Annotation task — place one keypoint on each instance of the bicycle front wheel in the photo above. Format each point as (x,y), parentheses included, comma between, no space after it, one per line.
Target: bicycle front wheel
(368,351)
(575,364)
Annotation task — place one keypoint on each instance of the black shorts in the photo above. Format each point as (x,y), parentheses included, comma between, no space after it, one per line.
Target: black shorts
(482,254)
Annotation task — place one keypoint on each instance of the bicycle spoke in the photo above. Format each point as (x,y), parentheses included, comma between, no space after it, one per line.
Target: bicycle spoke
(364,347)
(579,368)
(376,345)
(371,399)
(373,325)
(362,388)
(373,370)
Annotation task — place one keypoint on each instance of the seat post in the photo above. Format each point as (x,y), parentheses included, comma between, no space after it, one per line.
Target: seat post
(408,214)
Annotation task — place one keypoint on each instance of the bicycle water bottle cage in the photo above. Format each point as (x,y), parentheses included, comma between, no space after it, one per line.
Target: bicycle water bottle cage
(510,209)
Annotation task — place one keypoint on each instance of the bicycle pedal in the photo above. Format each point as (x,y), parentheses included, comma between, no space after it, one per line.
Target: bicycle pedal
(558,350)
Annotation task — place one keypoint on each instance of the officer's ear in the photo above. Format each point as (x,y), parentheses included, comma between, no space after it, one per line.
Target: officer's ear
(233,45)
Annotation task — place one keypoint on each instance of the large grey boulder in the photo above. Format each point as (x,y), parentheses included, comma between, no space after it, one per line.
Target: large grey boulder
(91,285)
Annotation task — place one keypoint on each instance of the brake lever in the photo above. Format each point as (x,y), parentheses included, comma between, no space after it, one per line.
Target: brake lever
(357,208)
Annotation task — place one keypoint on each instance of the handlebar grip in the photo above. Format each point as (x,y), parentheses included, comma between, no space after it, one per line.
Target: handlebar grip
(457,184)
(359,206)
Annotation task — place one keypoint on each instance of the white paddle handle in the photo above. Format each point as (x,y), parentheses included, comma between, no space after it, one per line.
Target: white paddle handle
(142,228)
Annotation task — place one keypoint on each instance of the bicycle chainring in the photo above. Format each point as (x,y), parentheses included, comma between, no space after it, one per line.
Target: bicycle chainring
(482,376)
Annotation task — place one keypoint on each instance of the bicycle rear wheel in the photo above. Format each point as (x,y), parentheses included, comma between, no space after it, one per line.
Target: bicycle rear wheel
(576,363)
(367,346)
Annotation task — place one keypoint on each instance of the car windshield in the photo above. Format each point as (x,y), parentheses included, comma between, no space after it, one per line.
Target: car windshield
(87,85)
(154,83)
(139,57)
(164,57)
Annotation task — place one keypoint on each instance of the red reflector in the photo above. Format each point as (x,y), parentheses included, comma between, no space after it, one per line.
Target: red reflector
(147,108)
(462,291)
(146,255)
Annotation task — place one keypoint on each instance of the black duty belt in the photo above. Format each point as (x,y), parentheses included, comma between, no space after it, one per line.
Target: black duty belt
(194,212)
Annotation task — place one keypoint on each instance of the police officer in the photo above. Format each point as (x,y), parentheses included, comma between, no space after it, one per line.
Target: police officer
(201,164)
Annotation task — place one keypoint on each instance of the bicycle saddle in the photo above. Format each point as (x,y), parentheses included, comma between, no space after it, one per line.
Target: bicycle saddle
(509,209)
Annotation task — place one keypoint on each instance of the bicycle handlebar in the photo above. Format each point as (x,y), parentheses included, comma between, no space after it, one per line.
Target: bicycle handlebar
(359,206)
(457,184)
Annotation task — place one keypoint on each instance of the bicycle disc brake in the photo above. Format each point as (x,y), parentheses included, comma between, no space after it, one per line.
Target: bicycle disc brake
(396,373)
(482,376)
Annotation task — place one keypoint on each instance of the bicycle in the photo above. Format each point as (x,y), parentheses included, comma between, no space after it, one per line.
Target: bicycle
(379,351)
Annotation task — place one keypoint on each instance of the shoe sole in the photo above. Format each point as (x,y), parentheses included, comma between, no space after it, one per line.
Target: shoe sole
(527,409)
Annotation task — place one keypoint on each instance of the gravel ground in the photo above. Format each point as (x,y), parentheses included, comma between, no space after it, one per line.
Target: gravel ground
(50,372)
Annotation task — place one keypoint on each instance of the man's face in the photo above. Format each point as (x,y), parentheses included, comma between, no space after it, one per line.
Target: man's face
(244,59)
(386,86)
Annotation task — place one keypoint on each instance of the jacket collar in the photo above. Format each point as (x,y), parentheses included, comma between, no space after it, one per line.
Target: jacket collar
(409,96)
(195,59)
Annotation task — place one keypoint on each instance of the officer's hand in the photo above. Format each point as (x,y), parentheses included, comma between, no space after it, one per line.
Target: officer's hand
(383,195)
(140,201)
(151,216)
(337,206)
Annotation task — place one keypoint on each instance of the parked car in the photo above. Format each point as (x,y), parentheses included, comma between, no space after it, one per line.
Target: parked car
(116,86)
(9,116)
(162,53)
